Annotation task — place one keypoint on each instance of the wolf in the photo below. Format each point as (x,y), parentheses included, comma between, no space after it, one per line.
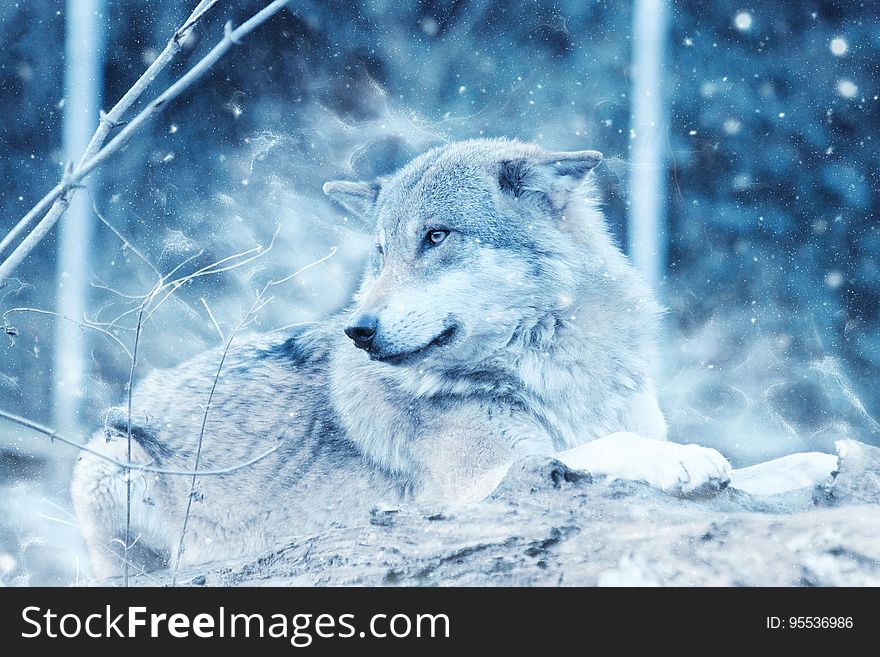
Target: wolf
(496,319)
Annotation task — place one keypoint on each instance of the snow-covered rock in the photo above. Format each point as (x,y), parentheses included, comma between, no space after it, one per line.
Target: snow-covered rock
(547,524)
(785,474)
(857,478)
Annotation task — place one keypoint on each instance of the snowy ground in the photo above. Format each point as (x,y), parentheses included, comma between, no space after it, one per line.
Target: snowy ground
(40,544)
(548,525)
(545,525)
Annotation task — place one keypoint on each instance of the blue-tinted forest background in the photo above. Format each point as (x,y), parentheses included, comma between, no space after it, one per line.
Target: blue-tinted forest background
(772,274)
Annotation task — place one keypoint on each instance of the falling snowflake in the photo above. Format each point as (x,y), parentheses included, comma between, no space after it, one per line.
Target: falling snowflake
(743,21)
(834,279)
(839,46)
(847,88)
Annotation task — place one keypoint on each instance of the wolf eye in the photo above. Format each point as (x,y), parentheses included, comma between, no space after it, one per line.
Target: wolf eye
(435,237)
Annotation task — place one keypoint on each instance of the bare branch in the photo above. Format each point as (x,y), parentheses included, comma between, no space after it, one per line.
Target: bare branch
(125,241)
(55,436)
(259,303)
(183,263)
(134,357)
(214,268)
(194,18)
(33,214)
(287,327)
(213,319)
(85,325)
(192,483)
(300,271)
(128,563)
(106,123)
(170,287)
(68,185)
(98,284)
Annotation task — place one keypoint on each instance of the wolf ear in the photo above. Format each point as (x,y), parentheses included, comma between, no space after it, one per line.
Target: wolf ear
(358,197)
(576,164)
(553,174)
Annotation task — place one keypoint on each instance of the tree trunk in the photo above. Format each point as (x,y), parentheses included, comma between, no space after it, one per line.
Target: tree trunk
(646,231)
(83,81)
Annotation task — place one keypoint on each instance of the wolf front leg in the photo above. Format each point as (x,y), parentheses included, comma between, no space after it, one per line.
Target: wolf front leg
(522,438)
(671,467)
(464,453)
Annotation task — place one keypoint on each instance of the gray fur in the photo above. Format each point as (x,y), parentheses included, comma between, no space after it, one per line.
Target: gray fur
(526,331)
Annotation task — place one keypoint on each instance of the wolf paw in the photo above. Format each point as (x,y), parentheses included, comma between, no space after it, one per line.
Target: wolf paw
(671,467)
(694,469)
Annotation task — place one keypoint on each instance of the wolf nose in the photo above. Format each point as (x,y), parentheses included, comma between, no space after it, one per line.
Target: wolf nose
(362,330)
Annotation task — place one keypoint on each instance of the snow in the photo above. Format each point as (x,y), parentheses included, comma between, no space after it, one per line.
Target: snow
(834,279)
(7,563)
(847,88)
(785,474)
(633,570)
(547,525)
(838,46)
(671,467)
(743,21)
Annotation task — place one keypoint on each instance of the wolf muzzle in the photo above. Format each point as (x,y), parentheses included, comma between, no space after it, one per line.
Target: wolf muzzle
(362,330)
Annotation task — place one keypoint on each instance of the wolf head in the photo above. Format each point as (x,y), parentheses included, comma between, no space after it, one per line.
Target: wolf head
(475,242)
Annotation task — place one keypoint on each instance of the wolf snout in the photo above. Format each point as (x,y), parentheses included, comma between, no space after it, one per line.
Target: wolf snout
(362,330)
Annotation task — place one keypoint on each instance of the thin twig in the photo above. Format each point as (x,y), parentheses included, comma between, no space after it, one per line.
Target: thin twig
(85,325)
(301,270)
(125,241)
(214,268)
(75,177)
(55,436)
(164,284)
(259,303)
(134,356)
(143,572)
(98,284)
(192,483)
(279,329)
(213,319)
(183,263)
(58,520)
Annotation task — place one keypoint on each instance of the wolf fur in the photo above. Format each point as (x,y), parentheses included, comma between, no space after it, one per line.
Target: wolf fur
(496,319)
